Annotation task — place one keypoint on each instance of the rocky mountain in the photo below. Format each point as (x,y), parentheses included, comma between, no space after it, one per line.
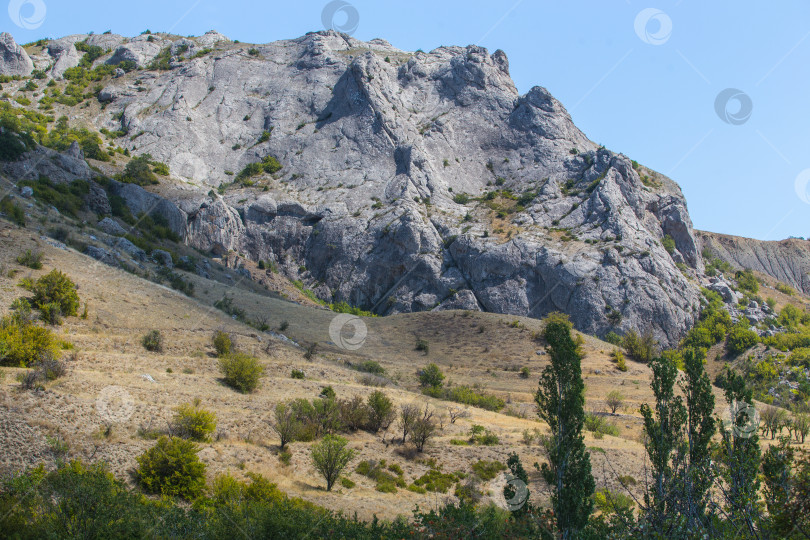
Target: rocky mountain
(407,181)
(785,260)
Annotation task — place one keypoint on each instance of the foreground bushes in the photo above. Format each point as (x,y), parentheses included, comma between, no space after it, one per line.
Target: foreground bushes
(172,467)
(54,288)
(86,501)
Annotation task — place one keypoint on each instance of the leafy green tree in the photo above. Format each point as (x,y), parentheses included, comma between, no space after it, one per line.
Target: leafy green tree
(54,287)
(330,457)
(740,456)
(285,423)
(777,464)
(381,411)
(513,493)
(561,402)
(698,476)
(431,376)
(664,429)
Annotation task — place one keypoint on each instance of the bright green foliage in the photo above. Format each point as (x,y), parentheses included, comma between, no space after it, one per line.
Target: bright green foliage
(193,422)
(241,371)
(138,171)
(641,347)
(381,411)
(330,457)
(561,400)
(431,376)
(669,244)
(268,164)
(612,502)
(487,470)
(23,343)
(54,287)
(172,467)
(223,343)
(436,481)
(740,339)
(747,281)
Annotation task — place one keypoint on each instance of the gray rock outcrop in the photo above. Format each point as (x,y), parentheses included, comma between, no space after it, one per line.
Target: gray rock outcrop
(13,58)
(409,181)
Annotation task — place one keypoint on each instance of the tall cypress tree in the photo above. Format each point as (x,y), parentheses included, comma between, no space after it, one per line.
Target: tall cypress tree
(561,403)
(740,455)
(664,429)
(697,477)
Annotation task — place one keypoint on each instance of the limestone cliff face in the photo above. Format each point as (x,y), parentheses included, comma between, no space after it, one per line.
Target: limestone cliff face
(410,181)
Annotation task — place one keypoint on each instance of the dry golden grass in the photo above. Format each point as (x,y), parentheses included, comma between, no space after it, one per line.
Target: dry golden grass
(114,388)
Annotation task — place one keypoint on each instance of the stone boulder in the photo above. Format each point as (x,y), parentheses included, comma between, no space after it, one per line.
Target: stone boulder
(163,258)
(112,227)
(13,58)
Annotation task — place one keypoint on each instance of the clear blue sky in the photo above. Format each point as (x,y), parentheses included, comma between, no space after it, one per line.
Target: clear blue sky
(653,100)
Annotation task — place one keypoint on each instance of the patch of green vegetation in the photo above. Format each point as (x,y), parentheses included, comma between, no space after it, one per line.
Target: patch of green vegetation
(487,470)
(67,198)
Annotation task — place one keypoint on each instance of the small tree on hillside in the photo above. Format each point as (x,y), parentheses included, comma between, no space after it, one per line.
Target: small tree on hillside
(408,413)
(285,423)
(330,457)
(614,400)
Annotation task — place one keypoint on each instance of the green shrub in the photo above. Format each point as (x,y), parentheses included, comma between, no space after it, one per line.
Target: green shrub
(160,168)
(641,347)
(297,374)
(31,259)
(435,481)
(54,287)
(13,212)
(23,343)
(370,366)
(461,198)
(172,468)
(785,289)
(740,339)
(599,426)
(241,371)
(153,341)
(422,345)
(487,470)
(223,343)
(51,313)
(525,372)
(138,172)
(67,198)
(669,244)
(12,146)
(618,357)
(747,281)
(193,422)
(612,502)
(346,482)
(613,338)
(431,377)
